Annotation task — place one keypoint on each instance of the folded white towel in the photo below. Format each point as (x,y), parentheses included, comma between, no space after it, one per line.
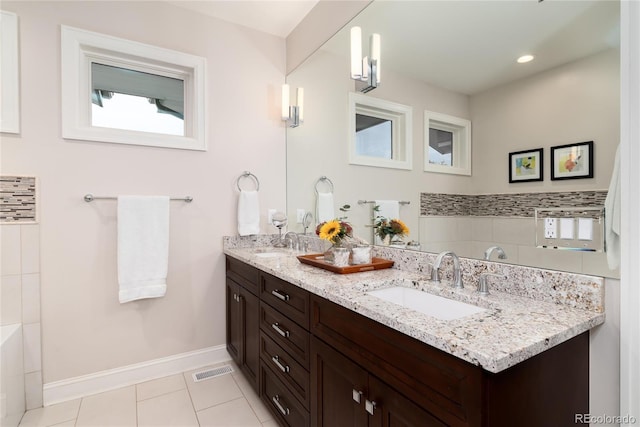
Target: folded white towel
(612,216)
(248,213)
(143,246)
(325,207)
(389,209)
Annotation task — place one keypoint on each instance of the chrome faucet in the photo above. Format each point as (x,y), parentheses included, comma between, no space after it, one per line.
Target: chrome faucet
(483,283)
(498,249)
(457,275)
(293,238)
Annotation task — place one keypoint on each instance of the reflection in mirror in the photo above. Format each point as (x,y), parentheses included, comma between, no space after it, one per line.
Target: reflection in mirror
(374,137)
(447,144)
(463,65)
(128,99)
(380,132)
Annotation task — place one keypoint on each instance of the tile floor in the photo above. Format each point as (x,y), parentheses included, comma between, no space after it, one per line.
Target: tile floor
(176,400)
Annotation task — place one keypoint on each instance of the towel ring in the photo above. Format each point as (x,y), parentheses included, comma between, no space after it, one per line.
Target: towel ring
(321,179)
(248,174)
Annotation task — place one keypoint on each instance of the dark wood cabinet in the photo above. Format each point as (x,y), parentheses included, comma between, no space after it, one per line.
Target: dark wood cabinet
(316,363)
(243,321)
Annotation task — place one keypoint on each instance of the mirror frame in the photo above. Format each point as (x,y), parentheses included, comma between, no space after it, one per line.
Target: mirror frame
(80,48)
(401,118)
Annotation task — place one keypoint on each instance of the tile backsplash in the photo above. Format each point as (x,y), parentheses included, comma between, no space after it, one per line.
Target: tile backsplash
(17,199)
(505,205)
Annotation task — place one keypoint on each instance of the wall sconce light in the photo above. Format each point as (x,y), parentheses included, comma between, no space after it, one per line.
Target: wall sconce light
(292,114)
(365,69)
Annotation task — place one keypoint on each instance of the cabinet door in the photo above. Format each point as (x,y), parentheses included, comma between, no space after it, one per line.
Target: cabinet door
(234,325)
(338,389)
(250,321)
(388,408)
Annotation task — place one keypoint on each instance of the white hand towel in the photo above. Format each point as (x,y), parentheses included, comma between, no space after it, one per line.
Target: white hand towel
(248,213)
(325,207)
(612,216)
(389,209)
(143,246)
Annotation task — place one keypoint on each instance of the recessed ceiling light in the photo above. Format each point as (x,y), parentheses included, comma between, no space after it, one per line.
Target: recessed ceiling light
(525,58)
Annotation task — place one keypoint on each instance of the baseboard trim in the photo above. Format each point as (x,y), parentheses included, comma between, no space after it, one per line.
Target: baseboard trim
(77,387)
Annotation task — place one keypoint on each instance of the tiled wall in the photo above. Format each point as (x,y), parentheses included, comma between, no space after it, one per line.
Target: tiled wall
(468,225)
(20,289)
(17,199)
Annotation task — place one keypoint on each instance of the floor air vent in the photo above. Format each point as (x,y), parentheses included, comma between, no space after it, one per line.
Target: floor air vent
(212,373)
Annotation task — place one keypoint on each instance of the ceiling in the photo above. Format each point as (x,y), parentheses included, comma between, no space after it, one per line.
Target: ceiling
(273,17)
(472,46)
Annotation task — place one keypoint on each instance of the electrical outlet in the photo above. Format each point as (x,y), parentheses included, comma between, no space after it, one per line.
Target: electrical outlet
(550,228)
(270,213)
(300,215)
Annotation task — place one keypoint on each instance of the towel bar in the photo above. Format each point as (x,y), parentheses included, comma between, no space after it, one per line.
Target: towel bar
(90,198)
(362,202)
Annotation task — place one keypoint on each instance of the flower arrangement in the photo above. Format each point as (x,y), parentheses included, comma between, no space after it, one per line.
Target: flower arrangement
(335,230)
(390,227)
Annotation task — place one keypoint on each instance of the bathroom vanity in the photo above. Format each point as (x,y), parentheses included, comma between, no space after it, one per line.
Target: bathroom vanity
(321,351)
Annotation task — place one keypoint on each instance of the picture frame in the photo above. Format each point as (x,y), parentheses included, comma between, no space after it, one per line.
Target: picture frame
(572,161)
(526,166)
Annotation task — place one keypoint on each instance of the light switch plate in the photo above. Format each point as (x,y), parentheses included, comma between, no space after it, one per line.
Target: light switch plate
(550,228)
(567,228)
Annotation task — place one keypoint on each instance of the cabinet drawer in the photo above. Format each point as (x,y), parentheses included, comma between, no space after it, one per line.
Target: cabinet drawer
(286,368)
(280,401)
(444,385)
(286,298)
(286,333)
(244,274)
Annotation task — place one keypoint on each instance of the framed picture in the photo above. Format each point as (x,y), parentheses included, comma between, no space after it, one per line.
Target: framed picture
(525,166)
(572,161)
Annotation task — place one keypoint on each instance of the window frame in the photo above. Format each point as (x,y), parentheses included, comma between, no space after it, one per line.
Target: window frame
(401,124)
(461,144)
(80,48)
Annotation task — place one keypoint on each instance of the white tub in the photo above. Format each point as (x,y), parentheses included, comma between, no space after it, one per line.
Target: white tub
(11,375)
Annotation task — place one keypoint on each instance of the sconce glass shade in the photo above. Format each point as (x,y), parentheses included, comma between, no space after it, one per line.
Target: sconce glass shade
(356,53)
(292,114)
(374,44)
(285,102)
(300,102)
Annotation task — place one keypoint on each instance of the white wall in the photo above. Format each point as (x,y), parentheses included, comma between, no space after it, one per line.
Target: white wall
(576,102)
(85,329)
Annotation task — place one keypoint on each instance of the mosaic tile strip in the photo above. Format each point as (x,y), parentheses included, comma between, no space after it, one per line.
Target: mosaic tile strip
(505,205)
(17,199)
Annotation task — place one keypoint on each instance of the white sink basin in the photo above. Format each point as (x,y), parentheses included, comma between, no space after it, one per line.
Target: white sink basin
(431,305)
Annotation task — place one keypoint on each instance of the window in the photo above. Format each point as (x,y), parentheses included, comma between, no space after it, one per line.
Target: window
(130,93)
(380,132)
(447,144)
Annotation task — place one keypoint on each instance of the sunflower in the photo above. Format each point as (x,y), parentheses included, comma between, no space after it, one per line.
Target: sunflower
(399,227)
(330,230)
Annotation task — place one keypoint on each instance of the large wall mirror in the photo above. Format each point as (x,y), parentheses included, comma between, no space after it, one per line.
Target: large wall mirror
(457,59)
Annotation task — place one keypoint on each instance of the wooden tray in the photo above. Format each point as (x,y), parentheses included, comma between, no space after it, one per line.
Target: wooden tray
(317,261)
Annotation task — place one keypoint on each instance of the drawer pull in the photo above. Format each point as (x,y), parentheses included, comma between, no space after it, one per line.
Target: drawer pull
(280,330)
(276,293)
(276,401)
(357,395)
(276,361)
(369,406)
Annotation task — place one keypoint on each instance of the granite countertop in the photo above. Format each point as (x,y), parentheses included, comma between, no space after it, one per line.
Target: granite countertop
(511,330)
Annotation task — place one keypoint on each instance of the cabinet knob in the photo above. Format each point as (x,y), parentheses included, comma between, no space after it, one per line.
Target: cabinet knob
(279,330)
(276,361)
(276,293)
(369,406)
(276,401)
(357,395)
